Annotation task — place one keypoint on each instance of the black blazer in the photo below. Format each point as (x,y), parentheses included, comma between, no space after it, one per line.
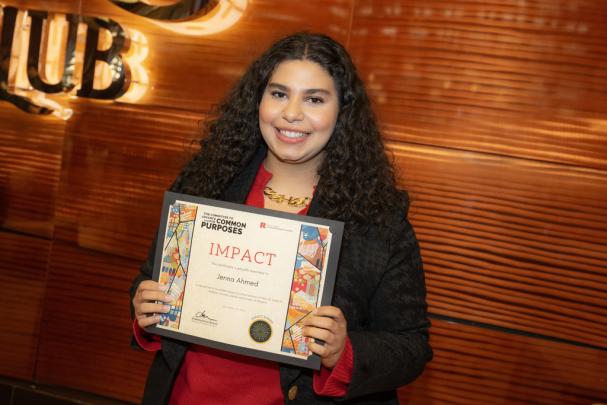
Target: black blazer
(379,287)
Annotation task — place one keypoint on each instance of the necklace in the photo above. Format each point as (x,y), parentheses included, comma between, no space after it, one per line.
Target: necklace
(280,198)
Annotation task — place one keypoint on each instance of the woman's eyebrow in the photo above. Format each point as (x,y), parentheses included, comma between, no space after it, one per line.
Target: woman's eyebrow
(314,91)
(278,86)
(308,91)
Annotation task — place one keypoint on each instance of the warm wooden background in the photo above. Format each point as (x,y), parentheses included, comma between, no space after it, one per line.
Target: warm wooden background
(496,113)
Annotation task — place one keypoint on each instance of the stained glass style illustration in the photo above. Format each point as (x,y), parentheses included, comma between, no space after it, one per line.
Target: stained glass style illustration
(175,258)
(305,288)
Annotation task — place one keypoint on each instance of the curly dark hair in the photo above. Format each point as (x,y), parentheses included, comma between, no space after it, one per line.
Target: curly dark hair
(357,182)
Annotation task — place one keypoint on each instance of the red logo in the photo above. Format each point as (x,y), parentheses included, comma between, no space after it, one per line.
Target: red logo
(262,224)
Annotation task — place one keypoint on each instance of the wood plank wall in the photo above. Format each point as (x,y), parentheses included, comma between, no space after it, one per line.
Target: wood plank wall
(495,113)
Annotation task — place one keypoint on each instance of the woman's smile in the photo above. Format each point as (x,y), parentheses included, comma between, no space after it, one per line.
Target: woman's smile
(291,136)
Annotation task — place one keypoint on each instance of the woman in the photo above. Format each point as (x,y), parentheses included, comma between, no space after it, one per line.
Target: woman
(297,134)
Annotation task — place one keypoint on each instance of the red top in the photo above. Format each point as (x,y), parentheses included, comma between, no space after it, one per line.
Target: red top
(257,379)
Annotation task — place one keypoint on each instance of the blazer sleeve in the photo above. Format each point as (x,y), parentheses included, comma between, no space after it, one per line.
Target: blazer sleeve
(394,349)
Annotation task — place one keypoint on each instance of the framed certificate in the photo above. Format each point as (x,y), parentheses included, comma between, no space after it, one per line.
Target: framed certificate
(244,279)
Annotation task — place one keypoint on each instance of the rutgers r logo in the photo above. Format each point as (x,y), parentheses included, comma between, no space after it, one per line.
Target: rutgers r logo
(262,224)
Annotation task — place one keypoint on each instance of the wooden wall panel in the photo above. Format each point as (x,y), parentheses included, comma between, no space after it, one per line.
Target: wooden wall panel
(22,273)
(500,77)
(85,330)
(118,161)
(475,365)
(30,162)
(511,242)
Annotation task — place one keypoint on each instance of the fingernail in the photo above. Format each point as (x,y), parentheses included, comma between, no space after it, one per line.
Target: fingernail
(166,308)
(168,298)
(164,287)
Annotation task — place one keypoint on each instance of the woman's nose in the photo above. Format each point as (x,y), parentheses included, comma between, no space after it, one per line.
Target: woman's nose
(292,111)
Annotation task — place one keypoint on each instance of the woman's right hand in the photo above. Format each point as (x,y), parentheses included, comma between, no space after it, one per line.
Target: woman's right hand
(148,303)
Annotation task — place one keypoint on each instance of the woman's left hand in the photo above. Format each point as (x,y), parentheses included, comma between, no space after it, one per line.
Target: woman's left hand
(329,325)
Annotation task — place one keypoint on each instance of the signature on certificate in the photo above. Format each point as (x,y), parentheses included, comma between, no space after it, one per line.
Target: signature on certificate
(202,315)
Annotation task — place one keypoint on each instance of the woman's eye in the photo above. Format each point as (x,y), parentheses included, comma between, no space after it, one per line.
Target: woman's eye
(278,94)
(316,100)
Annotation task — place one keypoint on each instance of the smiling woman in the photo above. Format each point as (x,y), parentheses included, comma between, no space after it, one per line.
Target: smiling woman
(297,115)
(299,125)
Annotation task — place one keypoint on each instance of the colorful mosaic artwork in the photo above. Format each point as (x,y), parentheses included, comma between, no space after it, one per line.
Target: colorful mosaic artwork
(175,258)
(305,289)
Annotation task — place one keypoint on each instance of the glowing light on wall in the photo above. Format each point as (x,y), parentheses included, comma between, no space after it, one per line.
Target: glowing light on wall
(137,53)
(224,15)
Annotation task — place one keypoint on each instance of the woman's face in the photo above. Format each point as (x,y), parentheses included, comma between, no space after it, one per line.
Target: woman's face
(298,111)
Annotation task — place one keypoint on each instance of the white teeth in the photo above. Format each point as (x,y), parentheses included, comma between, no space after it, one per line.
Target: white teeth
(292,134)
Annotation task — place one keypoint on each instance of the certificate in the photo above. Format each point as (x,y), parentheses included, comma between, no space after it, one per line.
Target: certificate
(244,279)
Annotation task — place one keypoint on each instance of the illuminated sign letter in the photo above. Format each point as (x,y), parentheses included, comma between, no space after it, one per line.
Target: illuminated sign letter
(120,75)
(9,17)
(33,59)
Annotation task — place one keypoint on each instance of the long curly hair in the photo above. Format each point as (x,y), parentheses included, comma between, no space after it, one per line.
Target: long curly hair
(357,182)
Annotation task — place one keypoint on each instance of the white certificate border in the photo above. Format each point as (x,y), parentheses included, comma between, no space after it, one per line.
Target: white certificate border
(336,228)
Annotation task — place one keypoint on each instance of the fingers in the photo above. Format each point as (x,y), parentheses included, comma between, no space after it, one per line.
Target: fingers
(326,324)
(154,308)
(322,323)
(147,313)
(151,290)
(327,317)
(155,295)
(332,312)
(320,350)
(146,321)
(320,334)
(150,300)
